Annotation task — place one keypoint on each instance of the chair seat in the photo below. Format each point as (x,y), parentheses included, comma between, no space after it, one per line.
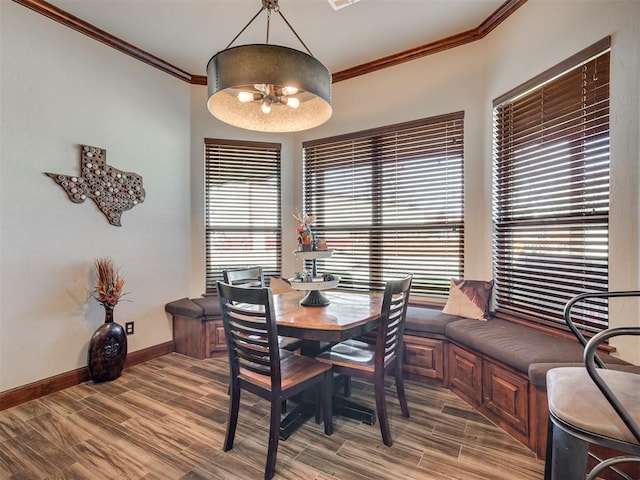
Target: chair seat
(357,343)
(294,369)
(577,401)
(352,354)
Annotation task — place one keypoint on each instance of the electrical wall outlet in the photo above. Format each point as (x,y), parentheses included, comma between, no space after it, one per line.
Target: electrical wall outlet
(128,328)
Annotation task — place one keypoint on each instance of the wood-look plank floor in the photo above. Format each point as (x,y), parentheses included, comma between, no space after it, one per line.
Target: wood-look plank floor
(165,420)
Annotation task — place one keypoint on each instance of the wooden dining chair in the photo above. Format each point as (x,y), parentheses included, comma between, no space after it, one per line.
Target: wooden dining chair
(257,365)
(244,277)
(592,405)
(253,277)
(372,362)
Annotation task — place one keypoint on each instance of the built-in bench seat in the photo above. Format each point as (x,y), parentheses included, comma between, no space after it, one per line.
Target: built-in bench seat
(498,366)
(512,344)
(197,326)
(515,345)
(428,320)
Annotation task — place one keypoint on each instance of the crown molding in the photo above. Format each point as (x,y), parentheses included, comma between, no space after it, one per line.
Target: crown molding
(495,19)
(75,23)
(491,22)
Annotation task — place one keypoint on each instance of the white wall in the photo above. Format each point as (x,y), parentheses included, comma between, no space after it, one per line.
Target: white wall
(60,89)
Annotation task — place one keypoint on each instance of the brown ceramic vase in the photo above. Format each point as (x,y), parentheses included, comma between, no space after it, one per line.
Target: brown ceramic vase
(107,350)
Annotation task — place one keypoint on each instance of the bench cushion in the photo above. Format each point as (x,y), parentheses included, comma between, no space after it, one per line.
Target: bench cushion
(512,344)
(184,307)
(427,320)
(210,305)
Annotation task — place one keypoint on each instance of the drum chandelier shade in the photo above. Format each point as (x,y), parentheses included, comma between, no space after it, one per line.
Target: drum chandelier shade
(268,88)
(268,73)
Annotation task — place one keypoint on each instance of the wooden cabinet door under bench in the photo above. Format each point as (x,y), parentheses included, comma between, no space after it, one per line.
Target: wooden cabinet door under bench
(424,358)
(498,391)
(198,337)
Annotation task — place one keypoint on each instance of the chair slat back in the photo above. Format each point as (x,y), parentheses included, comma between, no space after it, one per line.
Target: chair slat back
(392,319)
(249,277)
(250,328)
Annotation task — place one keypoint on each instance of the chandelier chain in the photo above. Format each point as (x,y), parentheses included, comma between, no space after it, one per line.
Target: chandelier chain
(245,27)
(268,24)
(295,33)
(270,6)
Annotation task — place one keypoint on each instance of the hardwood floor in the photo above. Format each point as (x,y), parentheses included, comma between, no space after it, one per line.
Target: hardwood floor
(166,418)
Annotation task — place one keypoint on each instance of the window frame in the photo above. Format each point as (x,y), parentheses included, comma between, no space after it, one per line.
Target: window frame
(265,159)
(359,163)
(577,216)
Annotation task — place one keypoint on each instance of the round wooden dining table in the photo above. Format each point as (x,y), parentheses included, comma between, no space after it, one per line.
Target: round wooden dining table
(348,315)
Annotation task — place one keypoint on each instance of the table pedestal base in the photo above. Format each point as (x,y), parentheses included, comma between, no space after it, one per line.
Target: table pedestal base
(296,418)
(342,406)
(346,408)
(315,298)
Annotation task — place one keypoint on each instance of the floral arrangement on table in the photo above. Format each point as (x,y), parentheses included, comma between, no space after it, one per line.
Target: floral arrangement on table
(303,230)
(108,289)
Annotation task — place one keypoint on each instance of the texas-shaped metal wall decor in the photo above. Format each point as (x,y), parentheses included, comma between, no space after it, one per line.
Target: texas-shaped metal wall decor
(112,190)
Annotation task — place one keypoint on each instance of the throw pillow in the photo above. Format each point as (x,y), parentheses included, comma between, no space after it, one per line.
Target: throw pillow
(279,285)
(469,298)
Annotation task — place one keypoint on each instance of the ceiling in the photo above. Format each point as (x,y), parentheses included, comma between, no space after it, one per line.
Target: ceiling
(186,33)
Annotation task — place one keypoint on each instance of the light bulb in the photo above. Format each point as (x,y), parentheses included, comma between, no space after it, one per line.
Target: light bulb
(292,102)
(266,107)
(286,90)
(245,97)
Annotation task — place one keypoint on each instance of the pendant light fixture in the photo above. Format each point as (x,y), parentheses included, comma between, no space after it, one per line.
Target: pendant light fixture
(268,88)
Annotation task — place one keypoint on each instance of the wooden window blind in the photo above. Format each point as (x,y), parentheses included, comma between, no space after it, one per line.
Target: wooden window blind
(242,207)
(551,192)
(389,201)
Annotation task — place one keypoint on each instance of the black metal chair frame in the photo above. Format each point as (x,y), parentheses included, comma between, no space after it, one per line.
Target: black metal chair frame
(567,446)
(583,296)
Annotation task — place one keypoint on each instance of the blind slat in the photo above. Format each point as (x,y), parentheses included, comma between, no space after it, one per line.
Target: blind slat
(551,194)
(242,211)
(389,201)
